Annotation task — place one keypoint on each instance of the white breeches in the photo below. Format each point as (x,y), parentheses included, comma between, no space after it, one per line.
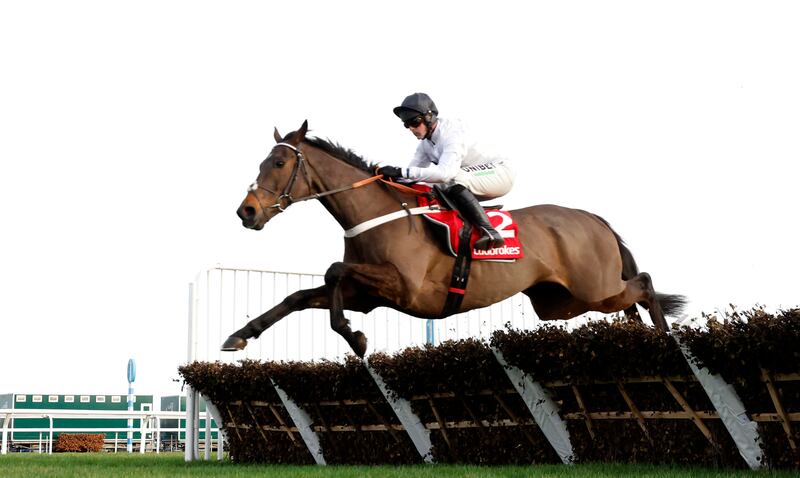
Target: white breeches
(486,181)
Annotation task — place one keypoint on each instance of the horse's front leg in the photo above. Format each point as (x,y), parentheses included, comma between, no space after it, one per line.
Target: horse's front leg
(360,287)
(300,300)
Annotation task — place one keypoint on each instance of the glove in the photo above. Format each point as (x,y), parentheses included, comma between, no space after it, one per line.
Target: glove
(390,172)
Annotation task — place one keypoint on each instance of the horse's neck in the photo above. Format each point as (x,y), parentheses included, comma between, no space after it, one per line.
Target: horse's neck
(354,206)
(393,242)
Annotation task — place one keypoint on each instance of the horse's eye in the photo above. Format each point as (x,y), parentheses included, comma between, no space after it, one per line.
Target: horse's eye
(279,163)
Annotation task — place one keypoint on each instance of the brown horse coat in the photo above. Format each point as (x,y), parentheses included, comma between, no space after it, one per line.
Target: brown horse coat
(573,262)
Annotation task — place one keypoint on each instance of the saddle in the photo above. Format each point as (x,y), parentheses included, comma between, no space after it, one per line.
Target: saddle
(449,228)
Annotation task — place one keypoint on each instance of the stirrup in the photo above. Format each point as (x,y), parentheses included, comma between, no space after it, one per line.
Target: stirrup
(490,239)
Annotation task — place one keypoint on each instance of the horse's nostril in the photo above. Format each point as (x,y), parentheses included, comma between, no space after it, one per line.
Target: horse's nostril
(246,212)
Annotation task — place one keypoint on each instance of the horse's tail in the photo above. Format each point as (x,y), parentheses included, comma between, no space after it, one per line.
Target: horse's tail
(671,304)
(629,267)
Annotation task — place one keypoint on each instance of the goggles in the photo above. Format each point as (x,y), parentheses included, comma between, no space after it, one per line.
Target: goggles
(413,122)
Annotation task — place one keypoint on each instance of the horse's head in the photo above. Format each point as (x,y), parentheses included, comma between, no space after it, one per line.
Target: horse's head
(278,181)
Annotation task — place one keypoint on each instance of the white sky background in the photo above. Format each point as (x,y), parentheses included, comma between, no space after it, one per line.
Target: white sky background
(129,132)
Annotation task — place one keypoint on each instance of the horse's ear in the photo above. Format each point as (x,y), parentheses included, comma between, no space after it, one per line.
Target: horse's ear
(277,136)
(301,133)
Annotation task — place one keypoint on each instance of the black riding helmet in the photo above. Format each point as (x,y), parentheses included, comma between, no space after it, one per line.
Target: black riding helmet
(418,104)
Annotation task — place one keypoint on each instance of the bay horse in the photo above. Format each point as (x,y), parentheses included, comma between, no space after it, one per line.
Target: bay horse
(573,261)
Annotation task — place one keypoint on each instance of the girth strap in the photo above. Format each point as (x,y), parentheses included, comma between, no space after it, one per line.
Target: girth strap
(458,281)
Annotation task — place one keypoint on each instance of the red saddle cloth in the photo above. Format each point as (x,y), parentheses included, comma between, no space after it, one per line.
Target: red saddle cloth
(449,223)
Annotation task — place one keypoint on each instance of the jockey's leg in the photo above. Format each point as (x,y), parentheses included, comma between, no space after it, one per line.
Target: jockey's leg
(473,212)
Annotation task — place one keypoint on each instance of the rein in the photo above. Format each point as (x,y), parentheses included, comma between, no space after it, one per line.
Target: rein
(286,195)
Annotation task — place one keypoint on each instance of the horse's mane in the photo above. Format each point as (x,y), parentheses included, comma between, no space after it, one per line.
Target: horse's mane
(339,152)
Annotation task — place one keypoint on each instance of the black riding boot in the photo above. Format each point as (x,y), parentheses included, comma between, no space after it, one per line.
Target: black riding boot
(473,212)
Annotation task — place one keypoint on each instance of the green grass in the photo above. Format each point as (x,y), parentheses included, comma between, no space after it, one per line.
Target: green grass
(102,465)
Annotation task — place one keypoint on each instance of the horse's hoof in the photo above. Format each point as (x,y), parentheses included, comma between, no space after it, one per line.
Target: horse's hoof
(233,344)
(360,347)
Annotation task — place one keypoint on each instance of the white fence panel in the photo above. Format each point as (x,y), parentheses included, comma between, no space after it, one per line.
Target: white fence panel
(223,300)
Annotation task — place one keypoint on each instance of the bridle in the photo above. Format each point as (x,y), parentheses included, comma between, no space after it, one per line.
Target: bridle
(286,195)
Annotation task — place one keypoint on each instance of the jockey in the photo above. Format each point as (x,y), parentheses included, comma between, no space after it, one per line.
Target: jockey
(446,156)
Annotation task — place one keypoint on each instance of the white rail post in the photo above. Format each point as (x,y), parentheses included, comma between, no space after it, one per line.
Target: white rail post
(158,435)
(207,454)
(196,425)
(188,453)
(190,449)
(50,440)
(142,433)
(6,421)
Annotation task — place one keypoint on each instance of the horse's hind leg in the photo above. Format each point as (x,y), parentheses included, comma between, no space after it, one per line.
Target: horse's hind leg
(300,300)
(638,290)
(652,303)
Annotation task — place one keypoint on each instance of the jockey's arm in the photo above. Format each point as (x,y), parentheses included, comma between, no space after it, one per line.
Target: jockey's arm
(420,159)
(453,151)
